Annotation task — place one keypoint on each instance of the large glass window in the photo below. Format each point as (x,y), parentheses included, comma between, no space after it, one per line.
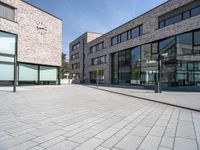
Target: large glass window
(115,68)
(48,73)
(98,60)
(7,12)
(28,73)
(7,53)
(7,43)
(124,66)
(6,72)
(149,64)
(135,65)
(184,44)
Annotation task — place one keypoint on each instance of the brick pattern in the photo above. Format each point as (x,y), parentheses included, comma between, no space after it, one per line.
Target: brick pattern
(32,46)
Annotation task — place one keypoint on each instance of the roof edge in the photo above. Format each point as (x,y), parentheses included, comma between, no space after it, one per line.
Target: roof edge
(41,10)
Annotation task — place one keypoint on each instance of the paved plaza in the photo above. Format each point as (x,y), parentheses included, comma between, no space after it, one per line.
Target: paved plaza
(82,118)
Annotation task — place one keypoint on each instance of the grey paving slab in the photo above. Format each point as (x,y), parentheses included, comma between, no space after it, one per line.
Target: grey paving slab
(81,118)
(185,144)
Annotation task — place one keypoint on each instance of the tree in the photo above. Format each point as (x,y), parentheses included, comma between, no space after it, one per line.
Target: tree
(65,66)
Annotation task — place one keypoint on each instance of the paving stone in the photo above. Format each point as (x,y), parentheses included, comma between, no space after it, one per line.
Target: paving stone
(90,144)
(107,133)
(170,132)
(111,142)
(164,148)
(83,136)
(67,121)
(52,141)
(24,146)
(185,144)
(130,142)
(65,145)
(185,130)
(167,142)
(157,131)
(15,141)
(122,132)
(150,143)
(140,131)
(102,148)
(49,136)
(37,148)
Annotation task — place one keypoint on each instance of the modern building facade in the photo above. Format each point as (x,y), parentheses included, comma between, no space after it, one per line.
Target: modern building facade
(30,44)
(165,39)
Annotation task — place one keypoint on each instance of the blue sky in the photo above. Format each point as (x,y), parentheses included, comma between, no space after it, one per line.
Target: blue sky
(100,16)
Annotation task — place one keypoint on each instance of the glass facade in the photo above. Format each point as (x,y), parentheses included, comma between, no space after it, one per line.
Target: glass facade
(37,74)
(179,56)
(7,54)
(26,73)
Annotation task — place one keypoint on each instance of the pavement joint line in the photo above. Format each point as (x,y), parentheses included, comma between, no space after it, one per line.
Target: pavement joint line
(195,131)
(147,99)
(152,128)
(153,109)
(166,127)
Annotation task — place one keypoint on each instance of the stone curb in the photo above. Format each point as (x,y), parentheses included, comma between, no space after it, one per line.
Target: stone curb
(147,99)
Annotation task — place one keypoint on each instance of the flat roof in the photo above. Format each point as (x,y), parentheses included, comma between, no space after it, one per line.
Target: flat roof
(41,10)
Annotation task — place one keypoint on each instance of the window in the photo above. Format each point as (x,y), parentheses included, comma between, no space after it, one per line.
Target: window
(97,75)
(135,32)
(186,15)
(173,20)
(76,46)
(141,30)
(135,65)
(161,24)
(97,47)
(129,35)
(167,47)
(195,11)
(179,17)
(197,38)
(197,42)
(7,53)
(98,60)
(114,41)
(7,12)
(124,37)
(75,66)
(154,48)
(75,56)
(28,73)
(184,44)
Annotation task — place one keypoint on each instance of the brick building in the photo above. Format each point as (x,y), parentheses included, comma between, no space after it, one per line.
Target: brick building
(165,39)
(30,44)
